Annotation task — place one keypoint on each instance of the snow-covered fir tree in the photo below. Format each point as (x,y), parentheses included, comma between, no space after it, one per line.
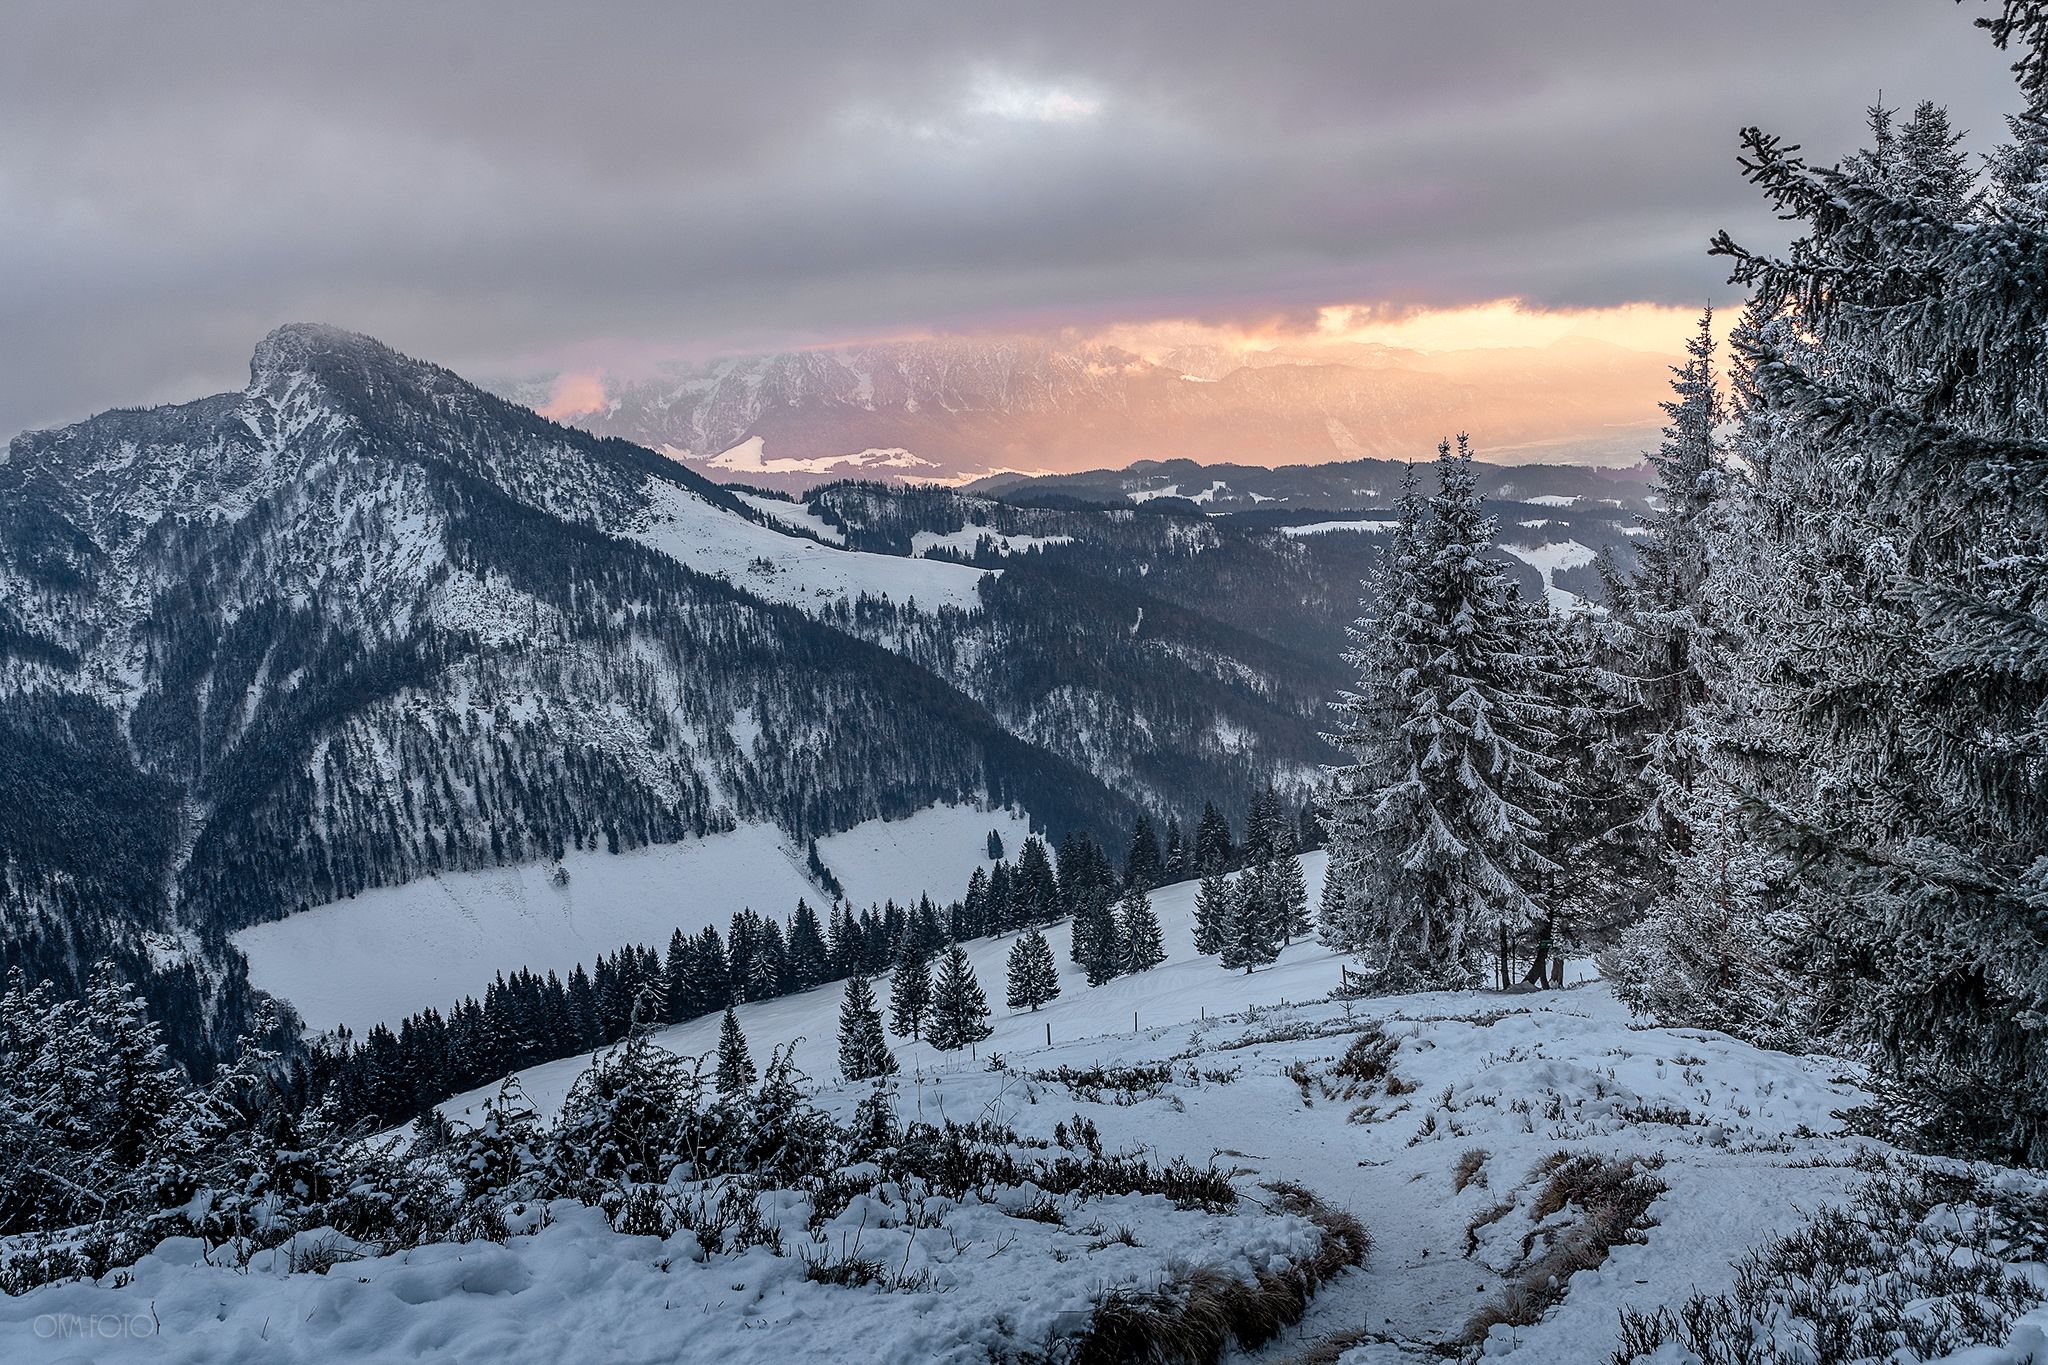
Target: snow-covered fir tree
(910,988)
(1250,937)
(1138,932)
(1034,978)
(960,1012)
(863,1047)
(1898,655)
(1442,825)
(1368,726)
(1212,913)
(1284,889)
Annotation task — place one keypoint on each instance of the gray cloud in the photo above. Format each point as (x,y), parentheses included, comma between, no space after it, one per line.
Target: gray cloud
(503,186)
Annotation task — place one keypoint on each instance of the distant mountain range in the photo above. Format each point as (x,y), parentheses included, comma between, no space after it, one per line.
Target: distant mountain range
(955,410)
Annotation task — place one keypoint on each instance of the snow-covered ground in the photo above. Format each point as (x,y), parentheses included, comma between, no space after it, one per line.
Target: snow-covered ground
(790,569)
(1323,528)
(394,950)
(968,538)
(1549,559)
(1438,1148)
(794,514)
(577,1291)
(750,457)
(1748,1139)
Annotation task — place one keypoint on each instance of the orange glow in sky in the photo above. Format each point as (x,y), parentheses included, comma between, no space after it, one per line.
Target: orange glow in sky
(1656,328)
(574,395)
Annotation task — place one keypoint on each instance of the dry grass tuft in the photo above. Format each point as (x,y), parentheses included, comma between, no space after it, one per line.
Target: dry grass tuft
(1612,1197)
(1195,1321)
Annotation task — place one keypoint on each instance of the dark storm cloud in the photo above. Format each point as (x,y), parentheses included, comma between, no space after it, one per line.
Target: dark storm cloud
(505,186)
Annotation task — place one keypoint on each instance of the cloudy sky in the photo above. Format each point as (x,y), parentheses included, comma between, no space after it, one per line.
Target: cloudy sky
(511,187)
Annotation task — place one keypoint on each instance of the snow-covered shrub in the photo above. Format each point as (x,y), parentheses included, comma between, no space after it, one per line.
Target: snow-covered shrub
(1918,1265)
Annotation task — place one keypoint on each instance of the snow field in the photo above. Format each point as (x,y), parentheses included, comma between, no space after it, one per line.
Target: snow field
(575,1290)
(394,950)
(789,569)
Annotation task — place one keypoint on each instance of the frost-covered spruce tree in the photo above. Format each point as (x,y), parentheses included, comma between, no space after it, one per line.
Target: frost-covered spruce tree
(1099,941)
(1443,810)
(1368,727)
(1250,937)
(863,1047)
(1908,657)
(959,1009)
(1658,627)
(735,1064)
(1212,913)
(1034,977)
(1284,888)
(910,988)
(1144,945)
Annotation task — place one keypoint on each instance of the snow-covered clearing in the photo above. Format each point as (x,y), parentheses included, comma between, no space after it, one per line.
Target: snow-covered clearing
(392,951)
(793,514)
(750,457)
(1548,560)
(1554,500)
(1323,528)
(792,570)
(968,539)
(1172,490)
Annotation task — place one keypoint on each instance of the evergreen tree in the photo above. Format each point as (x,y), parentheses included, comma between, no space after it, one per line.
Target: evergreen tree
(735,1064)
(1098,942)
(995,846)
(960,1011)
(1034,977)
(1138,933)
(1883,575)
(676,976)
(1035,888)
(1143,867)
(1264,825)
(1212,842)
(1249,938)
(1283,888)
(1176,855)
(910,989)
(1443,808)
(1212,914)
(806,953)
(863,1048)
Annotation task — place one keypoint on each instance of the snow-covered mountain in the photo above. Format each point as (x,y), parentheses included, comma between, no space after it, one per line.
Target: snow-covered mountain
(362,623)
(957,409)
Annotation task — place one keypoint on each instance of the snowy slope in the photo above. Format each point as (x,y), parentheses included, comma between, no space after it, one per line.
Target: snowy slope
(389,952)
(789,569)
(1443,1153)
(1519,1076)
(793,514)
(1550,558)
(1181,990)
